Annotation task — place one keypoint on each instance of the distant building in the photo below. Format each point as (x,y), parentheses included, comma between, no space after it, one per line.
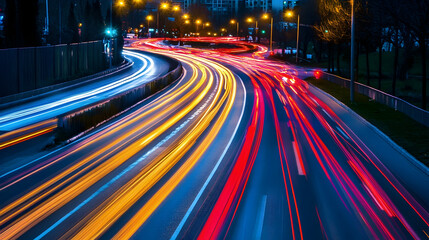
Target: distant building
(270,5)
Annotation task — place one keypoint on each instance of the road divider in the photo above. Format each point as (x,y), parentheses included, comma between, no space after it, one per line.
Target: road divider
(77,122)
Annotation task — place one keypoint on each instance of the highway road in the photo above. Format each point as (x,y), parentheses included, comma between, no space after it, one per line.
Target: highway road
(238,149)
(35,118)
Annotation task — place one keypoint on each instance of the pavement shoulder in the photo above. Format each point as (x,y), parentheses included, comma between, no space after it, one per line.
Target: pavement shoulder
(403,165)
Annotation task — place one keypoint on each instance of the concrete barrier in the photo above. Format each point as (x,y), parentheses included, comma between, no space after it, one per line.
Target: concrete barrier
(77,122)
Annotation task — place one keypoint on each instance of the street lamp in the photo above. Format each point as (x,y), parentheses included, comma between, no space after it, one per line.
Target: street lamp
(164,6)
(352,55)
(266,16)
(148,18)
(236,22)
(176,8)
(250,20)
(290,14)
(197,22)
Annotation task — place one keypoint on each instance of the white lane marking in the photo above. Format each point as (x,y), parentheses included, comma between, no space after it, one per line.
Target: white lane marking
(260,220)
(192,206)
(298,164)
(129,168)
(327,114)
(342,132)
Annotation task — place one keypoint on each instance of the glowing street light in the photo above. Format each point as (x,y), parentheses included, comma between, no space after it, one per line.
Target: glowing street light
(176,8)
(121,3)
(197,22)
(290,14)
(186,16)
(187,21)
(267,16)
(250,20)
(233,21)
(148,19)
(164,6)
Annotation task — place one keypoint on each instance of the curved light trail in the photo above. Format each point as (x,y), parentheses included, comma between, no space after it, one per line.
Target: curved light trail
(237,148)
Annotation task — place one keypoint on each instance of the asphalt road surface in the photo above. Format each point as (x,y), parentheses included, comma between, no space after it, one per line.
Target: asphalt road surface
(238,149)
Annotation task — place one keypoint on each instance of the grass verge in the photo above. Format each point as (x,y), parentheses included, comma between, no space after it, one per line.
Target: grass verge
(407,133)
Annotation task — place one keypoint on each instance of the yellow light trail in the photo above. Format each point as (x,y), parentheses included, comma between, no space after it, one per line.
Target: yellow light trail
(105,216)
(78,186)
(50,125)
(146,211)
(41,191)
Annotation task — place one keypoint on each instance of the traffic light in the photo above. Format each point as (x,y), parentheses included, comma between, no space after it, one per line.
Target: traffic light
(110,32)
(263,31)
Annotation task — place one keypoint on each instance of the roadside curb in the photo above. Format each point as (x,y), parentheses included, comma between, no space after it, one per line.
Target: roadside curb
(398,148)
(21,98)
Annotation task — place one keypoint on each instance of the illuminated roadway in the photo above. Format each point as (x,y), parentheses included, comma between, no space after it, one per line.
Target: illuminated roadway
(235,148)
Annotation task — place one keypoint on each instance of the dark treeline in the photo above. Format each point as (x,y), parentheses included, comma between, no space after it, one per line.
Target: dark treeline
(400,26)
(69,22)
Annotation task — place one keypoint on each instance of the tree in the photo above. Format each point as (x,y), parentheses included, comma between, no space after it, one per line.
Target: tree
(86,25)
(413,15)
(10,24)
(334,27)
(21,23)
(97,22)
(72,31)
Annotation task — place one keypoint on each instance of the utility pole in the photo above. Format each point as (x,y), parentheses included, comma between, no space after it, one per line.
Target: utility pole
(256,31)
(271,35)
(47,18)
(352,54)
(238,26)
(297,41)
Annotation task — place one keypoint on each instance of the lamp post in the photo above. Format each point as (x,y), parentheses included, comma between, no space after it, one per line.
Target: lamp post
(290,14)
(238,24)
(197,22)
(163,6)
(266,16)
(352,55)
(148,18)
(250,20)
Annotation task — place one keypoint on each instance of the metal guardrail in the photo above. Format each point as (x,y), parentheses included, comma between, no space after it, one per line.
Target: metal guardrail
(416,113)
